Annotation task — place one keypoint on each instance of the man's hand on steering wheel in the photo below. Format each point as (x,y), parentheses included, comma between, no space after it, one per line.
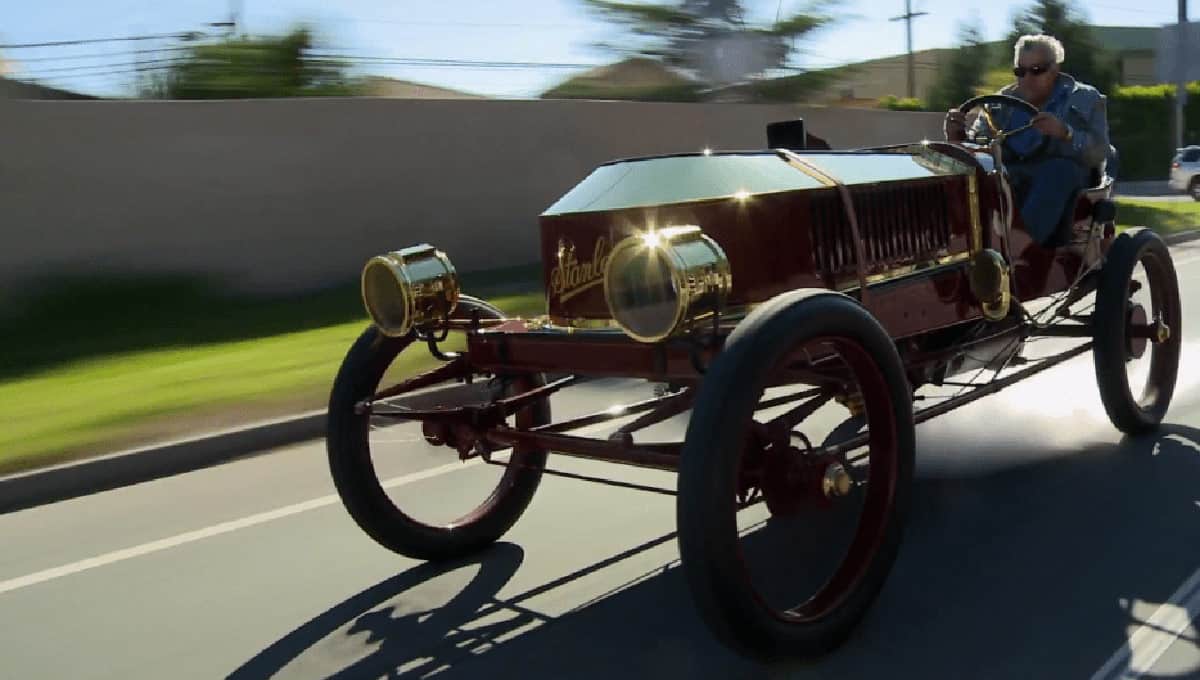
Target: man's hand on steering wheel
(1047,124)
(1050,125)
(955,127)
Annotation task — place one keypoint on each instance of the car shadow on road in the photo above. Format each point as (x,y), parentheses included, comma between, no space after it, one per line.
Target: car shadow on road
(1038,570)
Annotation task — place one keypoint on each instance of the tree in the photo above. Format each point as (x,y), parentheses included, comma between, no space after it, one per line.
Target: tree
(964,71)
(1086,59)
(250,67)
(710,37)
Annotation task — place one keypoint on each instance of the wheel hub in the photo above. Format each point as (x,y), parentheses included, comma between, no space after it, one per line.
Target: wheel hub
(836,482)
(793,480)
(1135,347)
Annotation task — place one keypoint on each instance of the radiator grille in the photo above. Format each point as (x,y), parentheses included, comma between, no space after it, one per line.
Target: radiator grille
(900,225)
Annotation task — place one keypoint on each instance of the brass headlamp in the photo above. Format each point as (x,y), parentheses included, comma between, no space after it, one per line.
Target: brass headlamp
(408,288)
(664,281)
(989,281)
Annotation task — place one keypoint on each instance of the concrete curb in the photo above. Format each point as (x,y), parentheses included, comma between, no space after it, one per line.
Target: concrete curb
(1182,237)
(50,485)
(70,480)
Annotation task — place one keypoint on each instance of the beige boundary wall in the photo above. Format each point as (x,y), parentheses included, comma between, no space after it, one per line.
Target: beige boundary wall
(290,195)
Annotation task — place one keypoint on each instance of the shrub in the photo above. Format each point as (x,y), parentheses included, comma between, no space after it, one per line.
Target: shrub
(894,103)
(1141,126)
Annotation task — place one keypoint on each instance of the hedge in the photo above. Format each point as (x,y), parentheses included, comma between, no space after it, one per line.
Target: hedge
(1141,122)
(894,103)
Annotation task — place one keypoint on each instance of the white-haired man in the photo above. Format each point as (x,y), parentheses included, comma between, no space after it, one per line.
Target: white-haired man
(1072,118)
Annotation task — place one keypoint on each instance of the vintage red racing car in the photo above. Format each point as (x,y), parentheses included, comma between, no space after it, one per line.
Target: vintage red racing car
(802,310)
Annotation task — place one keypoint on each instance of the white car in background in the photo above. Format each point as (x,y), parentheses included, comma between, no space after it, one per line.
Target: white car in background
(1185,171)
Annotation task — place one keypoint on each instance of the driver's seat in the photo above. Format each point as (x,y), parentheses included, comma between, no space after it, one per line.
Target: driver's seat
(1100,181)
(1102,208)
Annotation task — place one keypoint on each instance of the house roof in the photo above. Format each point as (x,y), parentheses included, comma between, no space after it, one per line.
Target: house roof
(629,76)
(1114,38)
(16,89)
(1128,38)
(378,86)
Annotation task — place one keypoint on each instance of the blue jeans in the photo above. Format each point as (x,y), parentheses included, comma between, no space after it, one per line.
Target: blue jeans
(1044,187)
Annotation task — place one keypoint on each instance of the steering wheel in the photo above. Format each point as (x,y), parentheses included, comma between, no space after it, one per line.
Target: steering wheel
(1026,150)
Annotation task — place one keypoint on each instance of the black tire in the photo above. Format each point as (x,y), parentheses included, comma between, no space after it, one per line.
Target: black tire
(1194,188)
(354,475)
(1130,414)
(708,544)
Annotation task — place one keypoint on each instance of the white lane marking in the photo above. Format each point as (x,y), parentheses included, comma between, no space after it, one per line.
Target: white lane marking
(1156,635)
(214,530)
(234,525)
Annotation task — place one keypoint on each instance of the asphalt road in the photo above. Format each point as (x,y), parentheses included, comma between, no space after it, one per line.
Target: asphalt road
(1041,544)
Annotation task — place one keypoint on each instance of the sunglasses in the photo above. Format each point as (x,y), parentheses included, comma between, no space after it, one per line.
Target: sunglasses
(1035,70)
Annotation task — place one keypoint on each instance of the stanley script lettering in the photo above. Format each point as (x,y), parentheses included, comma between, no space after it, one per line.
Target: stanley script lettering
(572,277)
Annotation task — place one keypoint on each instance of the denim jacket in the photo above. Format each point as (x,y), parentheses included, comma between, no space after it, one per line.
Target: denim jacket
(1081,107)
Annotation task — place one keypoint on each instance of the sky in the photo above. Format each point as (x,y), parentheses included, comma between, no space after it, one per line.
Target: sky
(559,32)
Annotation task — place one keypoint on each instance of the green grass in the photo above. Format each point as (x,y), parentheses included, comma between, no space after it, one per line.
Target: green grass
(1165,217)
(69,320)
(127,377)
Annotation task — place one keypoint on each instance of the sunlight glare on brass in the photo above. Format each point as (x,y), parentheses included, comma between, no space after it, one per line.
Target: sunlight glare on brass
(651,239)
(661,281)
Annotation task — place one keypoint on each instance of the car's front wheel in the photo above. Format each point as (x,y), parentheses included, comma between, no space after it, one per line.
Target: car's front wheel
(376,461)
(787,529)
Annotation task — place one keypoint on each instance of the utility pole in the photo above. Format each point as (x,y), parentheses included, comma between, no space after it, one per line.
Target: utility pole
(235,14)
(907,18)
(231,24)
(1181,54)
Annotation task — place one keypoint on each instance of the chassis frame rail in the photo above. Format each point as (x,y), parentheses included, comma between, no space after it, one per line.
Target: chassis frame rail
(478,431)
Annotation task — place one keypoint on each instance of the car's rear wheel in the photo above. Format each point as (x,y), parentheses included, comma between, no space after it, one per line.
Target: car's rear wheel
(1138,287)
(1194,188)
(393,480)
(792,575)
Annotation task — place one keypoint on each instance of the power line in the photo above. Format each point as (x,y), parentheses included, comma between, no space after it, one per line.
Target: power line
(119,71)
(451,24)
(100,69)
(187,35)
(326,58)
(98,55)
(81,70)
(424,61)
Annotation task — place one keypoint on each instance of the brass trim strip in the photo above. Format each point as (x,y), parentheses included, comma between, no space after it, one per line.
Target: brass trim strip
(809,169)
(906,270)
(572,324)
(729,317)
(973,207)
